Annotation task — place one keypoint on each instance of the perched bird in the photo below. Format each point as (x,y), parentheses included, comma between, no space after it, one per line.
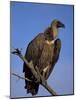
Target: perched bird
(44,52)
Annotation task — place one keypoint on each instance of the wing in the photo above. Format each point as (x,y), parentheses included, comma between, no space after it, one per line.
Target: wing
(34,50)
(49,57)
(57,48)
(56,53)
(33,53)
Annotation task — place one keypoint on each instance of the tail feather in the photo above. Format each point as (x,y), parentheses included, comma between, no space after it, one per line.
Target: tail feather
(32,87)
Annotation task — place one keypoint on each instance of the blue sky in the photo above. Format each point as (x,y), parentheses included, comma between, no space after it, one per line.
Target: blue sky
(27,21)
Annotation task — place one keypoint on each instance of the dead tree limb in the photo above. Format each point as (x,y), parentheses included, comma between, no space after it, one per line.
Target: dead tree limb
(40,79)
(20,77)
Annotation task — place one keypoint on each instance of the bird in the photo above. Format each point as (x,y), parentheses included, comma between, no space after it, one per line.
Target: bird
(43,51)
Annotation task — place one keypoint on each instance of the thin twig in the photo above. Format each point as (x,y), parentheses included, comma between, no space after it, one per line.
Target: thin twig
(20,77)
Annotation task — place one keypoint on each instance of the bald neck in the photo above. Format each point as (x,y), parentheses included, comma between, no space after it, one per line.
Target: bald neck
(55,31)
(51,33)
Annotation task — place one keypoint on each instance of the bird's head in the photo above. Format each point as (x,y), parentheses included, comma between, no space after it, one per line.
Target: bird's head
(56,23)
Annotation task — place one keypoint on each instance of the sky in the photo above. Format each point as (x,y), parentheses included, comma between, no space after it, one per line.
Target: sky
(27,21)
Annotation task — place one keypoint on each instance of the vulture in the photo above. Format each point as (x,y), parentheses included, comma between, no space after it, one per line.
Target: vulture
(44,52)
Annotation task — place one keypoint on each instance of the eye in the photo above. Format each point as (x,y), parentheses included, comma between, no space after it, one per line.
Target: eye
(58,24)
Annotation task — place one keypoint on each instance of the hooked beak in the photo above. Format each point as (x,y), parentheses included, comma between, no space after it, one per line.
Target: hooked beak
(60,25)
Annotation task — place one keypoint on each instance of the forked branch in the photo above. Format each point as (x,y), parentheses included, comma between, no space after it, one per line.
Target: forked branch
(40,79)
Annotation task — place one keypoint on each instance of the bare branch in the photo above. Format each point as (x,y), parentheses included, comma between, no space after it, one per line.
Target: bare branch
(44,83)
(35,72)
(20,77)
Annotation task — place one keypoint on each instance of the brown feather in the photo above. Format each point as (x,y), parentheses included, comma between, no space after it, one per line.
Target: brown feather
(42,55)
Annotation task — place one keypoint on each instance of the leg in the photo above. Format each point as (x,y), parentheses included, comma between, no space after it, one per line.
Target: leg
(45,72)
